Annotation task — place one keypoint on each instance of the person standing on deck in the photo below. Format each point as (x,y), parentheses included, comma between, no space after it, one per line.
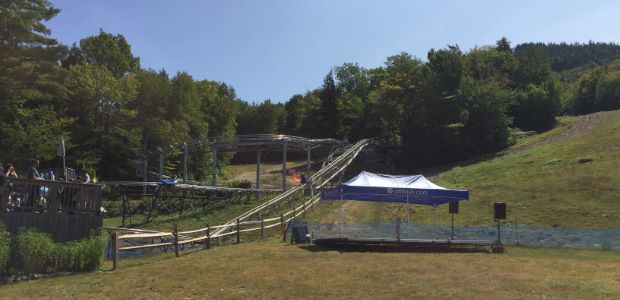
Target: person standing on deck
(35,189)
(10,171)
(33,173)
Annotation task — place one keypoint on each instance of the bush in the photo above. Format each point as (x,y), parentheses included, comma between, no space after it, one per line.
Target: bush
(5,248)
(33,251)
(241,184)
(84,255)
(36,252)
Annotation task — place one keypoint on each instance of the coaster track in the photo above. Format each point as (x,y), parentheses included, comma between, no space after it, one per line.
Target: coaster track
(330,169)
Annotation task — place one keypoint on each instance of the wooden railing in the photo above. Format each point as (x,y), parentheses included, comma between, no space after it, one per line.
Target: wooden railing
(204,235)
(241,224)
(19,194)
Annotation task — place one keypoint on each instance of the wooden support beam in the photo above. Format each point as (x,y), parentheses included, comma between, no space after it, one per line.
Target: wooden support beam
(284,145)
(238,231)
(257,175)
(176,241)
(208,237)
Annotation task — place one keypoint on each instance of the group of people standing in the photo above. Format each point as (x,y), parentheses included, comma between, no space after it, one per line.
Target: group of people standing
(33,173)
(9,171)
(33,194)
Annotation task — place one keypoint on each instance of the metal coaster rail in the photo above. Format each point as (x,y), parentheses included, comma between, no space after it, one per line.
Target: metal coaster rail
(317,179)
(135,239)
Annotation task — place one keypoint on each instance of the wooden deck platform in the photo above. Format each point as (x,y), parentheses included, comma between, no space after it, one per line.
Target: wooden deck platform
(420,244)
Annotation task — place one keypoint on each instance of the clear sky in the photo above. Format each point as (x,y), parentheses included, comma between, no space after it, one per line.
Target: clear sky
(274,49)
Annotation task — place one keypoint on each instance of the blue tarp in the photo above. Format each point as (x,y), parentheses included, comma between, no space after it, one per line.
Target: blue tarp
(415,189)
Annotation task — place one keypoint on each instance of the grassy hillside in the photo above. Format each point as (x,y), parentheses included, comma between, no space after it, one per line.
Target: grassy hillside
(568,177)
(271,270)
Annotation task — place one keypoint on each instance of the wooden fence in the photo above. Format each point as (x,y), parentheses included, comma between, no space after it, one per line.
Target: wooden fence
(241,224)
(204,235)
(66,210)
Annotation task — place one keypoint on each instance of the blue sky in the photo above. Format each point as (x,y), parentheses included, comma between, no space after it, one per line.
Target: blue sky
(275,49)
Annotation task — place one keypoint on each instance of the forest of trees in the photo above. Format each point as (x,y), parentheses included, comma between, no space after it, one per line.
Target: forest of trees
(449,106)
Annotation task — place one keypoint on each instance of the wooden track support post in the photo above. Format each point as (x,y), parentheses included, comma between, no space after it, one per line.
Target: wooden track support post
(284,146)
(208,245)
(258,175)
(176,241)
(282,227)
(262,229)
(238,231)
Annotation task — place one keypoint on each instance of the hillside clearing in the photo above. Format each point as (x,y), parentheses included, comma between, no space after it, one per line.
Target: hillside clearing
(567,177)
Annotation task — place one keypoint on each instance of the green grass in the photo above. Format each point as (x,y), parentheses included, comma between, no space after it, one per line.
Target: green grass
(271,173)
(270,269)
(569,183)
(189,220)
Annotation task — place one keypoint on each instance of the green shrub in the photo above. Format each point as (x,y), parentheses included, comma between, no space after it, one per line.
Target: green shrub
(91,251)
(36,252)
(241,184)
(84,255)
(33,251)
(5,248)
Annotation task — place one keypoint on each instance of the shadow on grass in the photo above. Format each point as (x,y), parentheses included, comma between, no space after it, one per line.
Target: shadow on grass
(394,248)
(438,170)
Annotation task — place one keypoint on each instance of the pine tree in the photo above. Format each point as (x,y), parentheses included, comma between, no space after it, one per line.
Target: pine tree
(32,92)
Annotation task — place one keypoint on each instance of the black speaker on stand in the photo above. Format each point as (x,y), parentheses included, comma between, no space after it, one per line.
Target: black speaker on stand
(453,208)
(499,212)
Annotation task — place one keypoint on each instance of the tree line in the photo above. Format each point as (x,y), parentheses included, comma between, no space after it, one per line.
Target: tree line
(110,110)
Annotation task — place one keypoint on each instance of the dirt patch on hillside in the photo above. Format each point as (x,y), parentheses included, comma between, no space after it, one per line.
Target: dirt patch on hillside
(582,125)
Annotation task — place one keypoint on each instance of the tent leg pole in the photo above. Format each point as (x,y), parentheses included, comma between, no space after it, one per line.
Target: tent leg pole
(468,213)
(452,231)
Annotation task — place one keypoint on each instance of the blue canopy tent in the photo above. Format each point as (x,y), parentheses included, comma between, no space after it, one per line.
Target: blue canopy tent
(414,189)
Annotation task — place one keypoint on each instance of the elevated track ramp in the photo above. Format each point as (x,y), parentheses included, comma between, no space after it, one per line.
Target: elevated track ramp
(332,167)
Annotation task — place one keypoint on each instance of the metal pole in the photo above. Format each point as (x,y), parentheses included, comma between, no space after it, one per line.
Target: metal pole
(468,213)
(145,174)
(161,165)
(499,240)
(257,175)
(64,168)
(308,167)
(308,162)
(214,167)
(284,166)
(64,165)
(452,235)
(185,164)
